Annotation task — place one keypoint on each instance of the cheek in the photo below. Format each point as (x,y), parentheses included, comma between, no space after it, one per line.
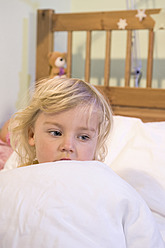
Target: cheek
(41,147)
(40,152)
(89,154)
(94,147)
(44,151)
(89,151)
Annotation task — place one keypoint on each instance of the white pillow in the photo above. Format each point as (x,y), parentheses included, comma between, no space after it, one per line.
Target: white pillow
(128,129)
(136,152)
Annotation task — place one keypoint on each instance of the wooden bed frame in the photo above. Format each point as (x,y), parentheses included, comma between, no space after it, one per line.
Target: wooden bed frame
(145,103)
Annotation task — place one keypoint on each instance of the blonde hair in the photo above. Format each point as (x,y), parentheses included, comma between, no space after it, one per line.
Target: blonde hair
(54,96)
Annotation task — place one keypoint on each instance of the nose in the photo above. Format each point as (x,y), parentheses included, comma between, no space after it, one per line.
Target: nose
(67,145)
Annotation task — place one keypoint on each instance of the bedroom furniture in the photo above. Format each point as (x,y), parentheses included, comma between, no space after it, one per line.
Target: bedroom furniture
(145,103)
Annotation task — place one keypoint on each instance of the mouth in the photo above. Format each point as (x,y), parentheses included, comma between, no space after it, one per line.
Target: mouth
(65,159)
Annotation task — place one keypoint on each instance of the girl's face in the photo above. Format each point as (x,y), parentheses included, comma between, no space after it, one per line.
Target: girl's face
(68,135)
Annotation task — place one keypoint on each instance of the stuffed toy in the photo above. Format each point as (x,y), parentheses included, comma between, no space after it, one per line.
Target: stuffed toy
(57,63)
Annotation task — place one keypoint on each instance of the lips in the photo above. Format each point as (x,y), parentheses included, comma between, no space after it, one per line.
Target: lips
(65,159)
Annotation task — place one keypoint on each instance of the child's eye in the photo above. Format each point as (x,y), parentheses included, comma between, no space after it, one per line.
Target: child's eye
(55,133)
(84,137)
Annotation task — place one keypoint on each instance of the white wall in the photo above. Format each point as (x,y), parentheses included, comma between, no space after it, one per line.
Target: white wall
(17,49)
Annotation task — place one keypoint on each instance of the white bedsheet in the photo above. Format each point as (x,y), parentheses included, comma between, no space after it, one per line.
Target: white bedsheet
(71,204)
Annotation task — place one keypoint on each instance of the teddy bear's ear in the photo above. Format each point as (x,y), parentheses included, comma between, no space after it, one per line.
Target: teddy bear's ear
(49,54)
(65,56)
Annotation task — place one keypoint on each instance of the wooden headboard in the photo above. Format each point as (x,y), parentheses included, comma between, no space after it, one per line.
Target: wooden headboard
(145,103)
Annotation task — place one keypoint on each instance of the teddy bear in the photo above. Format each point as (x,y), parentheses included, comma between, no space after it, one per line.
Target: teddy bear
(57,63)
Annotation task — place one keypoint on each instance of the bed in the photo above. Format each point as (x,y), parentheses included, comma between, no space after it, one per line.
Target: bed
(136,150)
(145,103)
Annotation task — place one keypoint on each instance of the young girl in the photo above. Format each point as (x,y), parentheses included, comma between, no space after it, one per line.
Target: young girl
(66,119)
(86,203)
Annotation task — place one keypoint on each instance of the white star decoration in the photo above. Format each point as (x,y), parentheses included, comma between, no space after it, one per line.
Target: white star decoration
(122,23)
(159,20)
(141,14)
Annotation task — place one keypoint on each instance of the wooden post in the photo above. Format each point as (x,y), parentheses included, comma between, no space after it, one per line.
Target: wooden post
(88,57)
(107,58)
(44,42)
(128,58)
(69,55)
(150,59)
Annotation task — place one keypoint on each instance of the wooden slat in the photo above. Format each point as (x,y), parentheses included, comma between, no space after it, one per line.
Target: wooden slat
(136,97)
(150,58)
(145,114)
(144,103)
(69,55)
(44,42)
(107,58)
(88,56)
(102,20)
(128,58)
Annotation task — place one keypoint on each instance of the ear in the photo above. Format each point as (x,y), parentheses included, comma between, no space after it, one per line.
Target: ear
(31,137)
(49,55)
(65,56)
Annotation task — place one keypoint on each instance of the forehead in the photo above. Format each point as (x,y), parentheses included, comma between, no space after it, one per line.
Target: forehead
(87,109)
(86,114)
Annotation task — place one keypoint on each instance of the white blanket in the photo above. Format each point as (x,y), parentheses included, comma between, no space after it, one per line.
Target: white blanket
(71,204)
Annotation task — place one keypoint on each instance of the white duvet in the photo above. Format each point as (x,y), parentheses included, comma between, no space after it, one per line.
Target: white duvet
(72,204)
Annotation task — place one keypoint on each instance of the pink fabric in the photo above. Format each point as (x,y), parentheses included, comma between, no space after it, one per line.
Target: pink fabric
(5,152)
(62,71)
(8,138)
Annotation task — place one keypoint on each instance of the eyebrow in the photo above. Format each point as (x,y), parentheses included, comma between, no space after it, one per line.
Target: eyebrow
(79,128)
(87,129)
(52,123)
